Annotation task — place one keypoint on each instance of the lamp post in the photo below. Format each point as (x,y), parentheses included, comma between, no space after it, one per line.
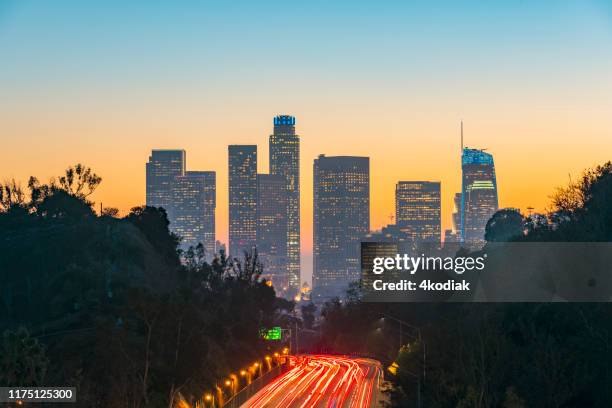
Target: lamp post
(210,398)
(419,336)
(247,375)
(268,362)
(230,384)
(234,380)
(420,339)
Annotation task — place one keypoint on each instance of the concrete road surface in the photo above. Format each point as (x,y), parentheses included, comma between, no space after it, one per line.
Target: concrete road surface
(323,381)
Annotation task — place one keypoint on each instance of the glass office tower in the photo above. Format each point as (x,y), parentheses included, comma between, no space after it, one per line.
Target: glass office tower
(341,220)
(479,195)
(163,166)
(285,162)
(193,210)
(417,210)
(272,201)
(242,199)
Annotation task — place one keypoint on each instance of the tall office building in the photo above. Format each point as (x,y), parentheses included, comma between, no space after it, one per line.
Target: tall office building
(285,162)
(479,195)
(163,166)
(193,209)
(341,220)
(417,210)
(272,201)
(242,199)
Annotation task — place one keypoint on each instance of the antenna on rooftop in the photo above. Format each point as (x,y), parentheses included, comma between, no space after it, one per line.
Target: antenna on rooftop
(462,137)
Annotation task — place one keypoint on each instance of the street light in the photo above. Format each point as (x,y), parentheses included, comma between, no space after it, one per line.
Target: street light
(268,362)
(412,327)
(235,383)
(420,339)
(257,368)
(247,374)
(210,398)
(230,385)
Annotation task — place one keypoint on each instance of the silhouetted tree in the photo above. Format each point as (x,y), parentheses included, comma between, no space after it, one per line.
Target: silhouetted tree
(308,314)
(79,181)
(11,195)
(121,317)
(110,212)
(504,225)
(510,354)
(22,359)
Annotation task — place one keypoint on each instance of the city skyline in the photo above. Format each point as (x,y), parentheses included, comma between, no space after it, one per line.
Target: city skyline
(532,82)
(261,209)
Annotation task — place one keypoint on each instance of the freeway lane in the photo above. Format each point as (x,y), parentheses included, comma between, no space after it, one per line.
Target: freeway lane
(322,381)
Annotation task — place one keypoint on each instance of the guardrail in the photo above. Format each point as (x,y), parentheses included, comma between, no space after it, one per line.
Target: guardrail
(255,386)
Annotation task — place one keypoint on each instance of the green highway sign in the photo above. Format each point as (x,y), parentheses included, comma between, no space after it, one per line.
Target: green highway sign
(275,333)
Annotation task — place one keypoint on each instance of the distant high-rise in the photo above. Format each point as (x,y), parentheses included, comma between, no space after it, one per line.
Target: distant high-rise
(242,199)
(163,166)
(341,220)
(417,210)
(193,209)
(479,194)
(272,201)
(285,162)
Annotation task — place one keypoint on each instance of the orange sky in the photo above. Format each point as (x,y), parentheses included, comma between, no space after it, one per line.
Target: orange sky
(534,152)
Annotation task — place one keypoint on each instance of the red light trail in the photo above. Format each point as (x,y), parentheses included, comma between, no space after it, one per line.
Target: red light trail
(322,381)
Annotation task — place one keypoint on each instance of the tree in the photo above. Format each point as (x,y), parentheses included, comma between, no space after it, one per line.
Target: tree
(22,359)
(79,181)
(153,223)
(308,314)
(110,212)
(11,195)
(504,225)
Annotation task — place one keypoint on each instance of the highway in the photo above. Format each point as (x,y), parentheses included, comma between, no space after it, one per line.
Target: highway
(322,381)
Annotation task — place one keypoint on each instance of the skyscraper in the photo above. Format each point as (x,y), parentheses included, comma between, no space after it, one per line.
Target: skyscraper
(479,195)
(417,210)
(272,201)
(163,166)
(341,220)
(285,162)
(242,160)
(193,209)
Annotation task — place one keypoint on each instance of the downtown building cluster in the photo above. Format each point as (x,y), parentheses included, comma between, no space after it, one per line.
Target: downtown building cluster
(264,209)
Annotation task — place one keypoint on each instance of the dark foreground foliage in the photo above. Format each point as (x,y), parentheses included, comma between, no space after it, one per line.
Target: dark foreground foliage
(509,355)
(106,305)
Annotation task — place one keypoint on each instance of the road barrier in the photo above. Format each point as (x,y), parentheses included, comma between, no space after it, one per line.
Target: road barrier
(255,386)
